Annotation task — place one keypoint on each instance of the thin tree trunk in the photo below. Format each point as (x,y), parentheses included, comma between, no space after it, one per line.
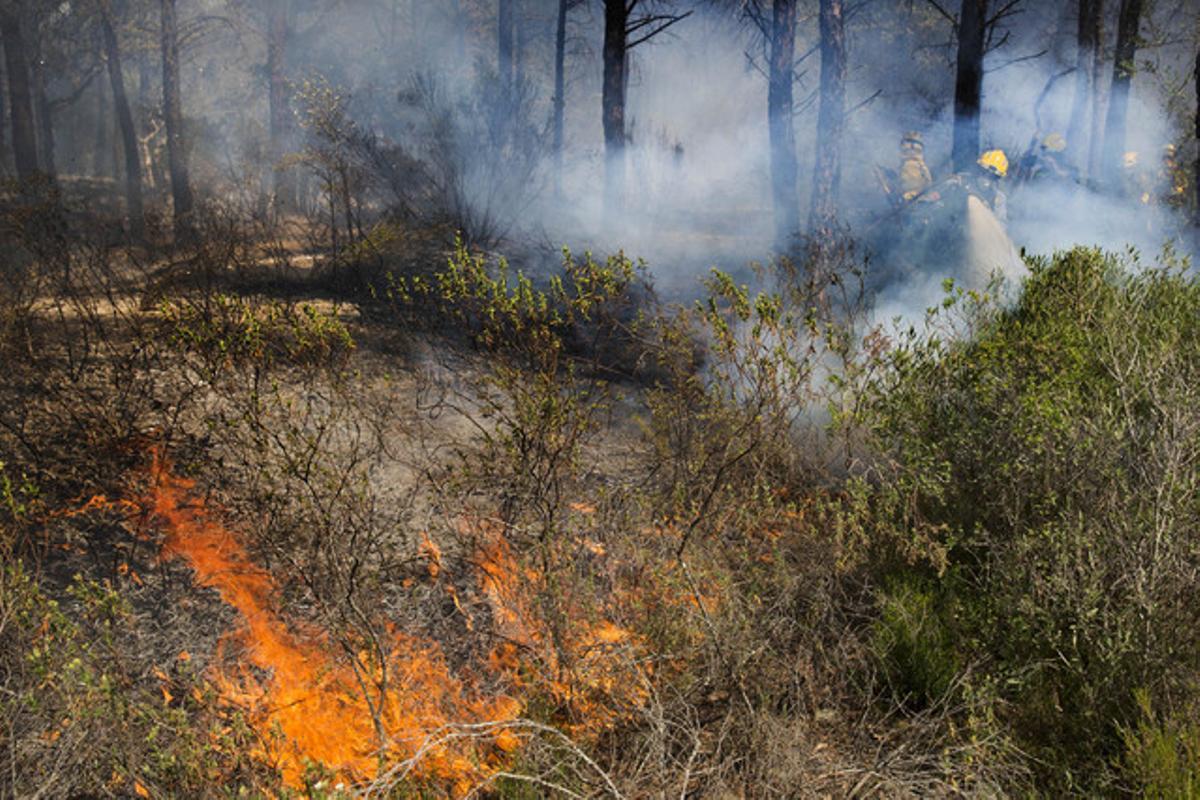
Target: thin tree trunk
(100,154)
(24,139)
(147,121)
(827,175)
(520,43)
(560,101)
(504,42)
(968,83)
(283,187)
(1087,42)
(4,160)
(333,223)
(1096,138)
(45,122)
(181,190)
(129,141)
(1196,168)
(780,124)
(612,101)
(1128,21)
(347,203)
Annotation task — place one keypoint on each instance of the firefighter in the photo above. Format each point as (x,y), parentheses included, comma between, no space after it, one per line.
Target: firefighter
(992,168)
(1048,163)
(982,181)
(914,177)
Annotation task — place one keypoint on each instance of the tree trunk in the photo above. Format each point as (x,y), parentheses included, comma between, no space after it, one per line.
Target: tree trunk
(1128,21)
(968,83)
(283,187)
(129,142)
(45,122)
(780,123)
(4,160)
(24,139)
(560,101)
(100,148)
(1096,138)
(181,190)
(1087,43)
(1196,168)
(613,103)
(830,121)
(520,44)
(504,37)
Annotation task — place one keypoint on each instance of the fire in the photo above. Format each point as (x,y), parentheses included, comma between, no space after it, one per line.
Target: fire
(309,708)
(587,671)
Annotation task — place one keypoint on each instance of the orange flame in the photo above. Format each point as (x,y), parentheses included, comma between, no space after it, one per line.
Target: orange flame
(587,670)
(310,708)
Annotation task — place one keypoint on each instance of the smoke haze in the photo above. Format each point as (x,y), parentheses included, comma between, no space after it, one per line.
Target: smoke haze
(698,191)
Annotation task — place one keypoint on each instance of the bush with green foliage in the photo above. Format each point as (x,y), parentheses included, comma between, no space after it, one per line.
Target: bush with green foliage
(76,719)
(1040,473)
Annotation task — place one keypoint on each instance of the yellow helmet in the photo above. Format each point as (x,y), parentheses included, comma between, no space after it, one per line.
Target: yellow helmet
(1130,159)
(1055,143)
(995,162)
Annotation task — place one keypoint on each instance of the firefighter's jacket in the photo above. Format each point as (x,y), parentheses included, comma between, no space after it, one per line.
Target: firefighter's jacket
(983,186)
(914,177)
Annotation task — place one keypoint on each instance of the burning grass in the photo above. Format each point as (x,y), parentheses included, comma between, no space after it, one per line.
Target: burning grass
(413,716)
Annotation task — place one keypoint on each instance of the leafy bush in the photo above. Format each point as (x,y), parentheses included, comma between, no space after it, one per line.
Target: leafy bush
(223,329)
(1162,756)
(549,368)
(1045,467)
(916,644)
(76,718)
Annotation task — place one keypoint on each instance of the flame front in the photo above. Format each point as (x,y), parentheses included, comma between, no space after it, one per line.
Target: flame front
(310,708)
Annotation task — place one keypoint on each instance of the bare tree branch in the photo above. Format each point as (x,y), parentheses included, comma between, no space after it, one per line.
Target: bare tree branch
(953,20)
(666,20)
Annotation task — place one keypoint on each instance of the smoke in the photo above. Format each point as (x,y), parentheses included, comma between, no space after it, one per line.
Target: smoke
(698,189)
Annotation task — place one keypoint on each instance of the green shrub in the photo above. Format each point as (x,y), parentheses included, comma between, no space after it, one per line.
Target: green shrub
(916,645)
(1043,462)
(77,718)
(1162,756)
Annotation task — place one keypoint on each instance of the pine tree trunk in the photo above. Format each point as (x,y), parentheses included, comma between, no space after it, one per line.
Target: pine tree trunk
(45,122)
(780,124)
(4,160)
(1128,21)
(613,103)
(129,142)
(24,139)
(504,41)
(968,83)
(1087,43)
(100,148)
(1196,168)
(1096,137)
(181,190)
(827,175)
(283,186)
(560,100)
(520,44)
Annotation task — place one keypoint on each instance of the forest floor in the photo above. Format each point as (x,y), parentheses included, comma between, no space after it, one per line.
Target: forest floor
(397,522)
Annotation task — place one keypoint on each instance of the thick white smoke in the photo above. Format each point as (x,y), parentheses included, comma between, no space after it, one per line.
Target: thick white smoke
(698,184)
